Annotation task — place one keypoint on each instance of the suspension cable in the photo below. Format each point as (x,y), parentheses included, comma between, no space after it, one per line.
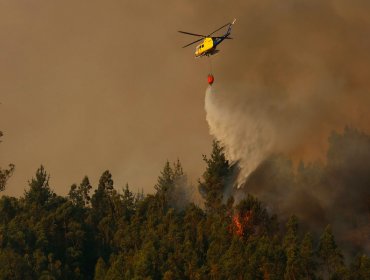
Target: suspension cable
(210,65)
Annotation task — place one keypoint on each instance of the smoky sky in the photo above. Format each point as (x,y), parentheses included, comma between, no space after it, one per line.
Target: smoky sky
(303,71)
(90,85)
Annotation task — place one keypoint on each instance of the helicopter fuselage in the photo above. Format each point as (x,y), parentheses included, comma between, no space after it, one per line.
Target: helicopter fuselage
(208,46)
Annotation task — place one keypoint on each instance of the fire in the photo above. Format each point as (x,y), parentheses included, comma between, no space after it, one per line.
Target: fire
(238,225)
(241,222)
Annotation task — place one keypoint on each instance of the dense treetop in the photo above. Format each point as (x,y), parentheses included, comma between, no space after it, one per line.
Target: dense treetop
(112,233)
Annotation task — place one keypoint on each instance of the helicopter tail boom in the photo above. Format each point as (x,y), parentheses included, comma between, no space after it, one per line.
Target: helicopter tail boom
(230,26)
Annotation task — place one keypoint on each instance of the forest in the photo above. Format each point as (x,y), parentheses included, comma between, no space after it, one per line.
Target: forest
(108,232)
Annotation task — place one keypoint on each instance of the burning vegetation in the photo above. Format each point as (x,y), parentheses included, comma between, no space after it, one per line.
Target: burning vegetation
(250,219)
(241,223)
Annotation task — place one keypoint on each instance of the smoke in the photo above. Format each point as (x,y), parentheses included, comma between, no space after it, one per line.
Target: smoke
(298,74)
(183,193)
(295,73)
(332,191)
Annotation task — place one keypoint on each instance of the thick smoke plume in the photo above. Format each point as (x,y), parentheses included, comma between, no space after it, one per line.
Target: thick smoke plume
(302,72)
(333,191)
(298,70)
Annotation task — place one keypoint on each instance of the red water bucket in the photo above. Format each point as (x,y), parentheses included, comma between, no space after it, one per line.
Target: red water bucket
(210,79)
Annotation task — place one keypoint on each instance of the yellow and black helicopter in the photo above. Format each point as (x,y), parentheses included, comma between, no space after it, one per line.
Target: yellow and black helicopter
(209,44)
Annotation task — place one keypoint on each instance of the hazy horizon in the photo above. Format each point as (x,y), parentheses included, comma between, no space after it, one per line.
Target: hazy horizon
(89,86)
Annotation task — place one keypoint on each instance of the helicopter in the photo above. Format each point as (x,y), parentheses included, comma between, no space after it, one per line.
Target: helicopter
(209,44)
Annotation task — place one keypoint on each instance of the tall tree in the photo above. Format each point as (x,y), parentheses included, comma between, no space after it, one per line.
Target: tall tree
(215,177)
(14,266)
(40,193)
(165,185)
(100,270)
(101,200)
(80,195)
(252,219)
(360,268)
(292,270)
(179,195)
(307,255)
(104,214)
(128,201)
(5,173)
(330,256)
(116,270)
(171,186)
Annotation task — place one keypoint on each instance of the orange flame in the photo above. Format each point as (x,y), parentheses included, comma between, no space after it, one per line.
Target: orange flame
(238,225)
(241,222)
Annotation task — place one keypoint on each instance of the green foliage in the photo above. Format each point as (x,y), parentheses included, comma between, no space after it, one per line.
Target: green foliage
(40,193)
(80,195)
(292,249)
(215,178)
(14,266)
(259,222)
(307,257)
(116,270)
(100,270)
(9,207)
(102,199)
(121,235)
(360,268)
(171,187)
(165,185)
(5,174)
(330,256)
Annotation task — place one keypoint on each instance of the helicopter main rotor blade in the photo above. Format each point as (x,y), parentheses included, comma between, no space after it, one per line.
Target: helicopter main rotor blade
(223,38)
(193,34)
(219,29)
(193,43)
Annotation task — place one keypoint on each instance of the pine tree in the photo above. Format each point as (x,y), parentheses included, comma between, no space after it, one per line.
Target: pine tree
(128,201)
(330,256)
(215,178)
(100,269)
(292,270)
(360,268)
(307,254)
(101,200)
(40,193)
(14,266)
(5,174)
(165,186)
(253,218)
(9,208)
(116,270)
(179,196)
(80,195)
(104,214)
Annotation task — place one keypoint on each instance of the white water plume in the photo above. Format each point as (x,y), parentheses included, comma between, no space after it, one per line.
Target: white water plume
(246,137)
